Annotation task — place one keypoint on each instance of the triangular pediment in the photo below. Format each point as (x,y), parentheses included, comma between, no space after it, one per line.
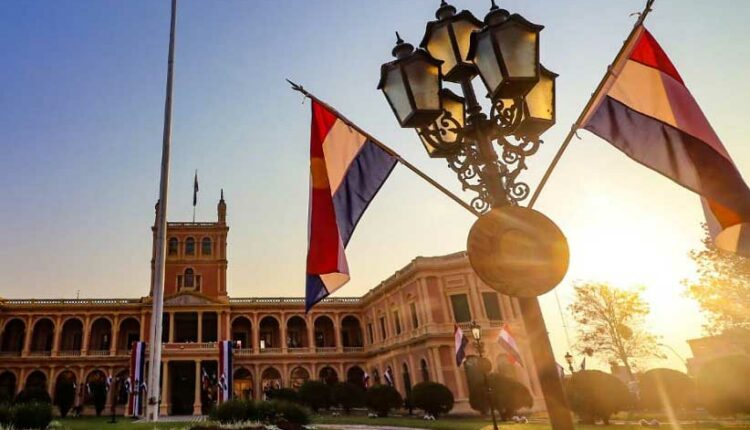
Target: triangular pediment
(189,298)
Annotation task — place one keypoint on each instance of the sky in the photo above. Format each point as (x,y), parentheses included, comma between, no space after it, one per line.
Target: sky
(82,88)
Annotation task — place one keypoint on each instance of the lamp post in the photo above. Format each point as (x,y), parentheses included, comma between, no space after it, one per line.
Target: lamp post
(488,151)
(476,333)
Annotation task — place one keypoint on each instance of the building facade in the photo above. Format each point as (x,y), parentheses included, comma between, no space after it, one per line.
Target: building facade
(403,326)
(732,342)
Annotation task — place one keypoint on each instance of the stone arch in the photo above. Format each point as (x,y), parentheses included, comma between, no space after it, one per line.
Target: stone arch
(8,384)
(71,340)
(242,382)
(65,387)
(242,331)
(325,333)
(100,334)
(356,375)
(351,332)
(270,379)
(95,381)
(13,336)
(128,332)
(328,375)
(42,336)
(269,330)
(298,376)
(37,379)
(296,332)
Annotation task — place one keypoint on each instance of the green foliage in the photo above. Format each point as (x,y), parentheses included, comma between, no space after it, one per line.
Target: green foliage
(316,395)
(99,395)
(724,385)
(291,412)
(663,388)
(475,372)
(383,398)
(594,395)
(509,395)
(433,398)
(611,321)
(6,415)
(286,394)
(232,411)
(33,415)
(28,395)
(65,394)
(348,396)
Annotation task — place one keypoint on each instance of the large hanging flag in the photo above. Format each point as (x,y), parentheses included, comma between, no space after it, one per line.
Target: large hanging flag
(460,343)
(225,370)
(347,170)
(645,110)
(137,375)
(508,342)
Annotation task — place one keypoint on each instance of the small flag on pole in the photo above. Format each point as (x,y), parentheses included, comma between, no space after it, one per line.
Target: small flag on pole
(389,376)
(195,189)
(645,110)
(460,342)
(347,170)
(225,370)
(508,342)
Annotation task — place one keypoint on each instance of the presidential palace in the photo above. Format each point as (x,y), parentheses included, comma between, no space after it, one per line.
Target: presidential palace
(404,326)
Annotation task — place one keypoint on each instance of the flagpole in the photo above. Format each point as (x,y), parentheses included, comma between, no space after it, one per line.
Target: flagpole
(574,128)
(157,288)
(195,192)
(390,151)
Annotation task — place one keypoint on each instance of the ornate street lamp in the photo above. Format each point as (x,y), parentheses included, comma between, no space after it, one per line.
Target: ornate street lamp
(513,249)
(476,333)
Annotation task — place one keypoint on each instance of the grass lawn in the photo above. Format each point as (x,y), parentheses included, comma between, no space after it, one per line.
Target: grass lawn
(102,423)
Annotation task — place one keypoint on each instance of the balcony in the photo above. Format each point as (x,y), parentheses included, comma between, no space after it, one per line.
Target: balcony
(10,353)
(270,350)
(325,350)
(299,350)
(354,349)
(69,353)
(40,353)
(98,352)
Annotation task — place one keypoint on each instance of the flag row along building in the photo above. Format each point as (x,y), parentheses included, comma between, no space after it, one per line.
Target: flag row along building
(400,332)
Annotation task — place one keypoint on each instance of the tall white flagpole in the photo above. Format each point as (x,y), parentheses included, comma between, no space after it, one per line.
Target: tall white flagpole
(157,288)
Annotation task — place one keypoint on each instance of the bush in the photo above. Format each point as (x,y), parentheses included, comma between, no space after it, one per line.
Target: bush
(99,394)
(33,415)
(509,395)
(232,411)
(593,395)
(28,395)
(291,412)
(433,398)
(65,394)
(348,396)
(286,394)
(265,412)
(476,369)
(659,385)
(724,385)
(6,415)
(316,395)
(383,398)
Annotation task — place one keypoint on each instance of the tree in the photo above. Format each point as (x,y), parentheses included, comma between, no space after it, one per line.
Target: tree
(65,393)
(316,395)
(594,395)
(433,398)
(383,398)
(509,395)
(724,385)
(722,289)
(612,321)
(663,389)
(99,393)
(348,395)
(286,394)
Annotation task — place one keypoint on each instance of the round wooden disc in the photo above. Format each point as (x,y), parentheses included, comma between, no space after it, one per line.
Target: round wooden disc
(518,251)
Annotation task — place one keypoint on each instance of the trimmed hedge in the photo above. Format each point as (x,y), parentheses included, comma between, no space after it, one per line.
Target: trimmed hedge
(658,386)
(316,395)
(724,385)
(594,395)
(509,396)
(348,396)
(34,415)
(28,395)
(273,411)
(286,394)
(383,398)
(433,398)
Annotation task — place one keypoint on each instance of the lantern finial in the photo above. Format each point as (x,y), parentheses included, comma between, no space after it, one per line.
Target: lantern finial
(445,10)
(496,15)
(402,49)
(494,6)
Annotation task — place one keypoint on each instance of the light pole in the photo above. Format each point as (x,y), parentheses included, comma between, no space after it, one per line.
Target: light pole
(476,333)
(517,251)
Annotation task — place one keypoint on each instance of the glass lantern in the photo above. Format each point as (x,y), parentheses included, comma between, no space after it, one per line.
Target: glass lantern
(539,106)
(448,39)
(453,109)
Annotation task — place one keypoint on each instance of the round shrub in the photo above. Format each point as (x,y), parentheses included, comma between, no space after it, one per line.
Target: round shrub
(724,385)
(33,415)
(6,415)
(316,395)
(290,412)
(99,394)
(433,398)
(28,395)
(594,395)
(231,411)
(286,394)
(509,396)
(658,386)
(383,398)
(348,396)
(265,412)
(65,394)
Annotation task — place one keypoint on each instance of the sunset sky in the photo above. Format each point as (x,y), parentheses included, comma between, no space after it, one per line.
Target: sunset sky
(81,111)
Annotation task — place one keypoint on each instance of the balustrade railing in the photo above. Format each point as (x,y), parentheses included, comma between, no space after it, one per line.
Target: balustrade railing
(69,353)
(98,352)
(325,349)
(270,350)
(10,353)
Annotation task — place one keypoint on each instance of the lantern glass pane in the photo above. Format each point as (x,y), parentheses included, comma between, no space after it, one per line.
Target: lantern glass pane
(487,62)
(425,86)
(396,92)
(456,109)
(462,29)
(540,100)
(518,47)
(440,47)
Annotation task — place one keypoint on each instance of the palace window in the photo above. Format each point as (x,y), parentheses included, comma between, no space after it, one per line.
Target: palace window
(461,311)
(382,328)
(414,319)
(173,244)
(206,247)
(370,333)
(397,320)
(492,306)
(190,246)
(189,278)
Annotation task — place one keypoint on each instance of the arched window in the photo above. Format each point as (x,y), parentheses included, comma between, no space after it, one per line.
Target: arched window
(189,278)
(190,246)
(206,246)
(425,370)
(173,244)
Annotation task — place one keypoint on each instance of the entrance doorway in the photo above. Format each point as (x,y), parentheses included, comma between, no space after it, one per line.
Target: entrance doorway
(182,387)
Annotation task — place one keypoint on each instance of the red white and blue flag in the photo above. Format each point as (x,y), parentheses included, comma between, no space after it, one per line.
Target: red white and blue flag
(137,375)
(225,370)
(347,170)
(508,342)
(645,110)
(460,343)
